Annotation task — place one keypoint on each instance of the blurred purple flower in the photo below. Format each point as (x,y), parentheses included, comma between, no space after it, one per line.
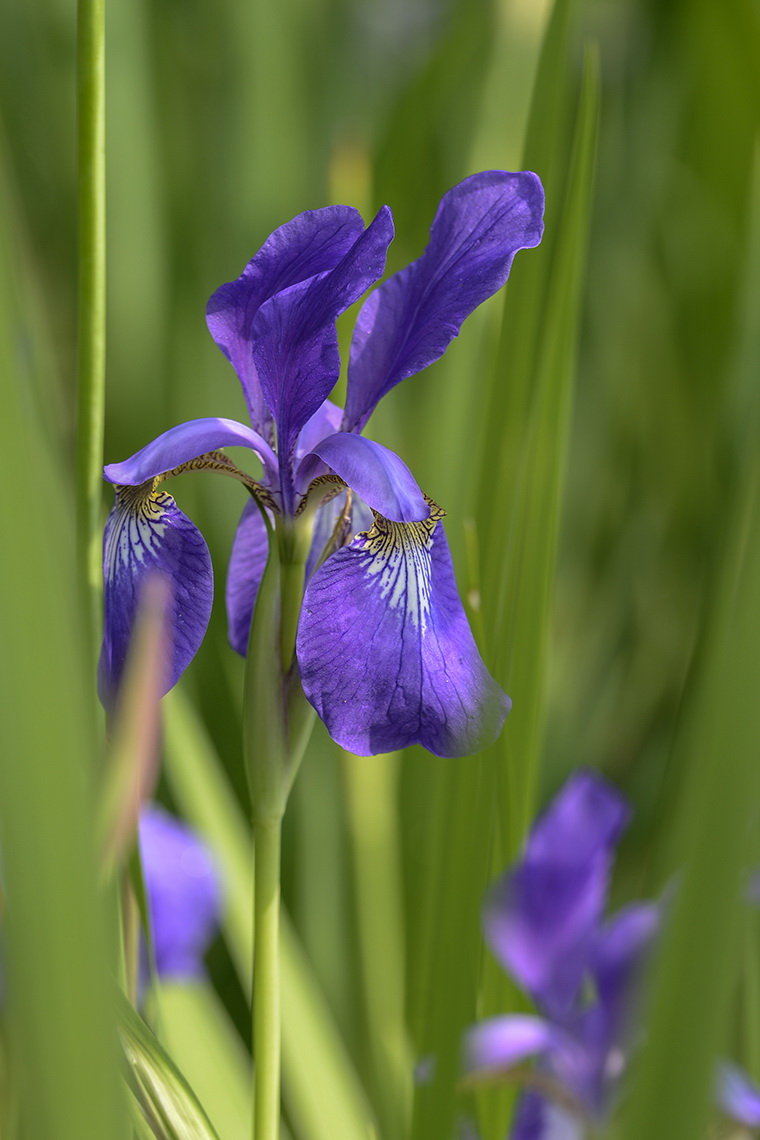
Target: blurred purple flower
(184,894)
(545,923)
(738,1096)
(384,649)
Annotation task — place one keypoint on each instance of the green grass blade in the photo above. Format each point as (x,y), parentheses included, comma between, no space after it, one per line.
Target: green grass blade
(445,981)
(166,1101)
(527,574)
(520,588)
(370,784)
(711,934)
(508,403)
(196,1030)
(700,955)
(92,284)
(62,1028)
(322,1093)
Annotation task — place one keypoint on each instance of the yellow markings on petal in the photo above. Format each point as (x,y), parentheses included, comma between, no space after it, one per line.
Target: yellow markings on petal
(398,555)
(136,525)
(320,491)
(223,465)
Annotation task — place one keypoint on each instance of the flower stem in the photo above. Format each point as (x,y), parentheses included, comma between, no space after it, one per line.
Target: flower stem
(266,980)
(276,726)
(92,284)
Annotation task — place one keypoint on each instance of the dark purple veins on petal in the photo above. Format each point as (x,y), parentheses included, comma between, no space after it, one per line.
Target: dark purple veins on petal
(147,534)
(409,321)
(384,649)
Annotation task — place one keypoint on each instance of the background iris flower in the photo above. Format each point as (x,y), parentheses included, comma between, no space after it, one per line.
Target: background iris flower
(545,922)
(184,894)
(384,649)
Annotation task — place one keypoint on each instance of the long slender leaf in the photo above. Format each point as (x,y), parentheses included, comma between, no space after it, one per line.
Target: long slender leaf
(199,1036)
(370,787)
(63,1027)
(165,1099)
(521,587)
(715,838)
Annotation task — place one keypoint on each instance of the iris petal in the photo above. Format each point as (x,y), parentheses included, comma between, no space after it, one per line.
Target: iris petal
(536,1118)
(147,534)
(312,243)
(293,336)
(500,1043)
(738,1096)
(333,514)
(324,422)
(541,918)
(184,893)
(619,954)
(409,321)
(385,652)
(375,472)
(248,560)
(185,442)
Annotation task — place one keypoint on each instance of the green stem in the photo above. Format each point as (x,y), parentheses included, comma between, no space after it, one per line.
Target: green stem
(266,980)
(276,725)
(92,284)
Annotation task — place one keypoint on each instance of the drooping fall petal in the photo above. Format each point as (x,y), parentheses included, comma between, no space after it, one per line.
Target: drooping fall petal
(385,651)
(147,534)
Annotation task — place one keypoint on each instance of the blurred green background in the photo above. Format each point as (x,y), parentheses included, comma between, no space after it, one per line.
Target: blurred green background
(225,120)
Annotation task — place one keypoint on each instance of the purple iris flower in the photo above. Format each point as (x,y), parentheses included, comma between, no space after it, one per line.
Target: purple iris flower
(545,922)
(384,649)
(184,894)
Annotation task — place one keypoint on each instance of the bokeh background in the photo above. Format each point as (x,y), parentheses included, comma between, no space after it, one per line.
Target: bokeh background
(592,449)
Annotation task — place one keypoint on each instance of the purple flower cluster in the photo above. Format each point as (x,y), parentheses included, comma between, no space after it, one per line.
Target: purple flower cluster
(545,922)
(384,649)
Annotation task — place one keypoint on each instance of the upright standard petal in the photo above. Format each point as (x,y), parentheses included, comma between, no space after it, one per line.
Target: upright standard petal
(409,321)
(312,243)
(324,422)
(248,560)
(147,534)
(293,336)
(185,442)
(386,655)
(541,919)
(184,893)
